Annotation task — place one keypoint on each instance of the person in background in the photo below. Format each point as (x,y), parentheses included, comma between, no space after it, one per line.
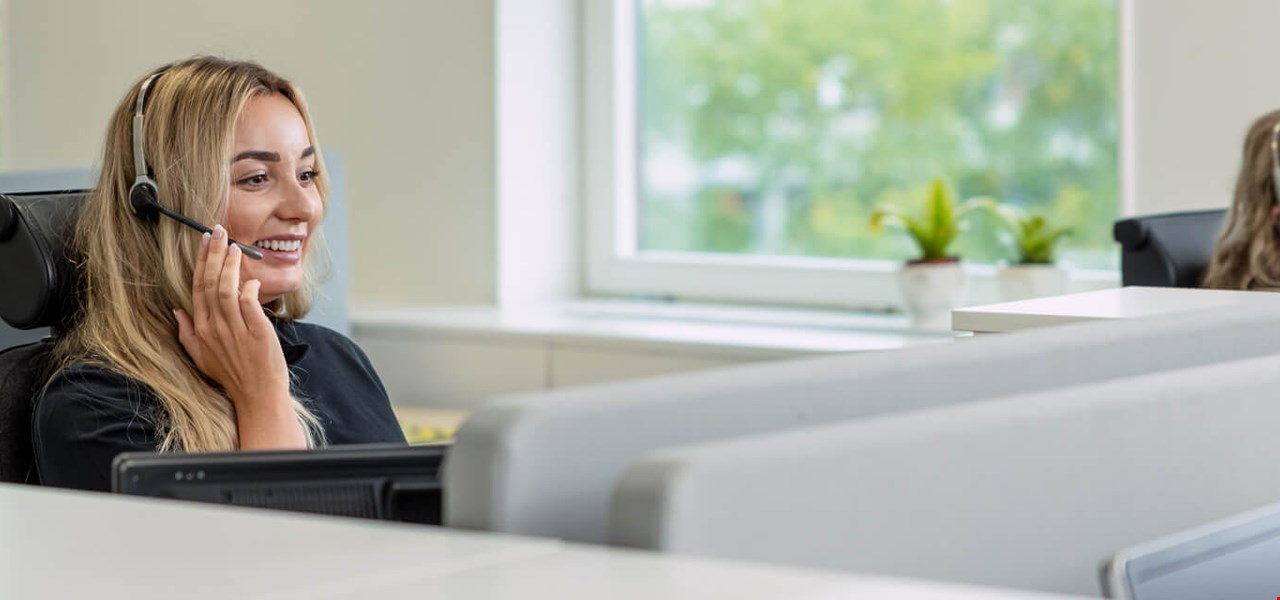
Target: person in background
(1247,254)
(183,342)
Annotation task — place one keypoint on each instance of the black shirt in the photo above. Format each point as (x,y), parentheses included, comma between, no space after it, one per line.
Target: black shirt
(88,413)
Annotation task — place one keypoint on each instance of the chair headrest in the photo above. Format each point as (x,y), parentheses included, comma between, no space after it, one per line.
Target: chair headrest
(38,279)
(1134,233)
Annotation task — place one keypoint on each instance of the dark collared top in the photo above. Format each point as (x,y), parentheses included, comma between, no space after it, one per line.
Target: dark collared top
(88,413)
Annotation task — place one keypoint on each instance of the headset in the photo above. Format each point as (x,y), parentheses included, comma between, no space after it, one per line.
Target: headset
(144,192)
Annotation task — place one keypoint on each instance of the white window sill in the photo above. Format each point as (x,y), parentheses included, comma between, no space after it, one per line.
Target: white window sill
(679,328)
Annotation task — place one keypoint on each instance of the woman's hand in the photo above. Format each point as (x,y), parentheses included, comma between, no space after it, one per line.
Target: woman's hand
(230,339)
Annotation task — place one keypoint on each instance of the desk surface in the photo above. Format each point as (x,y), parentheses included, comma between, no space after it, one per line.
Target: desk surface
(64,544)
(1116,303)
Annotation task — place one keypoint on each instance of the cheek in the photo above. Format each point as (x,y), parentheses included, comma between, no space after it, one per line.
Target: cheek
(242,222)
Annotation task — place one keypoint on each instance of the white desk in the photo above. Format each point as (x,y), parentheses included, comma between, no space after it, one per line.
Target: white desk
(591,572)
(62,544)
(1116,303)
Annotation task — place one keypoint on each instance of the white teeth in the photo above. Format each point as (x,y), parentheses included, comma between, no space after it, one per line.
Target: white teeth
(280,245)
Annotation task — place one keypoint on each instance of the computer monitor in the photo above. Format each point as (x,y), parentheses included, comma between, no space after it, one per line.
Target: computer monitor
(1238,557)
(374,481)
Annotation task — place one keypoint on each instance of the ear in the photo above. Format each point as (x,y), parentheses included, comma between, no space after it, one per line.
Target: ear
(1275,215)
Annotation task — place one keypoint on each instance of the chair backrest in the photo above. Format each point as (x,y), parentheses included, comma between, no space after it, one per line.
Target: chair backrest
(1167,250)
(36,267)
(1030,491)
(545,463)
(37,283)
(23,372)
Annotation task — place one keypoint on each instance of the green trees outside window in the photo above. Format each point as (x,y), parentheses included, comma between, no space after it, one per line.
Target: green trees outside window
(775,127)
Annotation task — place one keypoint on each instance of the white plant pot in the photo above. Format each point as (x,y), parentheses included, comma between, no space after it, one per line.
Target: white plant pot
(1021,282)
(931,290)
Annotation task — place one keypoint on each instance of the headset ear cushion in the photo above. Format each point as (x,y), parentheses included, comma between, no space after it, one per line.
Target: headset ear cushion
(142,198)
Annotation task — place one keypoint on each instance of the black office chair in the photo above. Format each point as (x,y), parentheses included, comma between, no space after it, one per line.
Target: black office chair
(1167,250)
(37,289)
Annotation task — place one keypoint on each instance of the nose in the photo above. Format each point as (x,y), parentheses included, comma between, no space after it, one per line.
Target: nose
(301,202)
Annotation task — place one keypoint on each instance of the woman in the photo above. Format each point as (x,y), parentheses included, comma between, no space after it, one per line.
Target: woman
(1247,255)
(183,343)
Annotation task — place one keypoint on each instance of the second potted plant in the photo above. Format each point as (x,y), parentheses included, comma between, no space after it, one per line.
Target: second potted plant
(1035,274)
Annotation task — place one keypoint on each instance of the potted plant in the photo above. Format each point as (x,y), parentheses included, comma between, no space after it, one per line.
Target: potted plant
(1035,273)
(934,283)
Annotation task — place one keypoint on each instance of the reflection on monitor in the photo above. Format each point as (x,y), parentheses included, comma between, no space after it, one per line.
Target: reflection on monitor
(375,481)
(1237,557)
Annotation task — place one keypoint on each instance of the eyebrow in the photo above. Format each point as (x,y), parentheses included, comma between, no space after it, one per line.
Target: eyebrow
(264,155)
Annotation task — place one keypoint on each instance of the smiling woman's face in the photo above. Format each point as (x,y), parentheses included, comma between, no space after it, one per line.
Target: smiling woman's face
(274,205)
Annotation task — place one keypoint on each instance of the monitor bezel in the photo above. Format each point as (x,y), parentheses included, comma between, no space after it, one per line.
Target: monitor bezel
(156,475)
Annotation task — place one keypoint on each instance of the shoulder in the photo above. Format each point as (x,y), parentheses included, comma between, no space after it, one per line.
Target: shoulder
(86,415)
(91,375)
(84,386)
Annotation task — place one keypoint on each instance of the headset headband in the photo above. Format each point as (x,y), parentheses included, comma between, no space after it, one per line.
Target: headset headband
(139,159)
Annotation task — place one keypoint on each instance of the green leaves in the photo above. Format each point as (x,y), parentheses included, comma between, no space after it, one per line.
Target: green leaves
(1034,238)
(942,219)
(937,226)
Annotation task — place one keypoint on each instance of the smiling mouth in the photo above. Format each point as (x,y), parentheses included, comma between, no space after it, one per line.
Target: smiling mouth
(279,245)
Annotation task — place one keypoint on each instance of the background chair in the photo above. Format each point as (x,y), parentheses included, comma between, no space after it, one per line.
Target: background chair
(15,182)
(1167,250)
(37,275)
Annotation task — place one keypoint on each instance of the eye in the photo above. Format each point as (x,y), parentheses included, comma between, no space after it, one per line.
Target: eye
(308,176)
(254,181)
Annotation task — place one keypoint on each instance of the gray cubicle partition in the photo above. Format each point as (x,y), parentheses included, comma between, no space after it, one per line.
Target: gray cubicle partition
(546,463)
(1031,491)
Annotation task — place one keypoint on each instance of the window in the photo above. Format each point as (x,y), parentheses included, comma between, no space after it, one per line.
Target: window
(736,149)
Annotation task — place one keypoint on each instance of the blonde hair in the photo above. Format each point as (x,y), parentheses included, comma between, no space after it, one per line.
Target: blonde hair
(135,273)
(1247,253)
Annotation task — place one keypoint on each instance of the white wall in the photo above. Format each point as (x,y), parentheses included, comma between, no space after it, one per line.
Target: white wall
(1199,74)
(402,89)
(538,135)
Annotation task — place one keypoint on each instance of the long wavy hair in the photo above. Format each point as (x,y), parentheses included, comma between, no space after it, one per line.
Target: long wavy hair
(135,273)
(1247,254)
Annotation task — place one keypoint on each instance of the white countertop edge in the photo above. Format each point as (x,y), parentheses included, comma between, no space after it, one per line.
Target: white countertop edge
(747,332)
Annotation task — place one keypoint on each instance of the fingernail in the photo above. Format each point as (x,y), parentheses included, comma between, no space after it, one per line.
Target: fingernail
(233,250)
(204,240)
(219,232)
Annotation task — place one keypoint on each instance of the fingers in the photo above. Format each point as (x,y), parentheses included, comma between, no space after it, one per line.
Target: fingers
(213,266)
(187,335)
(229,293)
(197,279)
(254,318)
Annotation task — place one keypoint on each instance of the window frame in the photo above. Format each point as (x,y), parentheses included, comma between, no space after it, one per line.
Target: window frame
(612,266)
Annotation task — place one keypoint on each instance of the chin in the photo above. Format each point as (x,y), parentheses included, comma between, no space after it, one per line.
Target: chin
(274,293)
(272,290)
